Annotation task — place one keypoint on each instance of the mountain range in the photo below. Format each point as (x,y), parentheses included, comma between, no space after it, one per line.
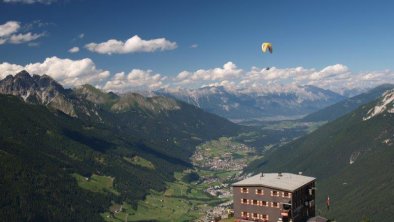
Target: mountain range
(51,136)
(351,158)
(345,106)
(266,104)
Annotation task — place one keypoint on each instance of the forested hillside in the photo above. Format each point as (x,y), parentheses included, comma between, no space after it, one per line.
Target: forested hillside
(46,154)
(350,157)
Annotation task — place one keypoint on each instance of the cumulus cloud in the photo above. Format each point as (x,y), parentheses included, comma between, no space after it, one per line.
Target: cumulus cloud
(9,69)
(204,76)
(330,77)
(329,71)
(135,80)
(9,28)
(30,1)
(336,77)
(276,74)
(71,73)
(22,38)
(230,85)
(131,45)
(73,50)
(66,71)
(9,34)
(231,76)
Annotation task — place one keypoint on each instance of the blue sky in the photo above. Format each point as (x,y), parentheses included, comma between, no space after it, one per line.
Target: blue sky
(309,34)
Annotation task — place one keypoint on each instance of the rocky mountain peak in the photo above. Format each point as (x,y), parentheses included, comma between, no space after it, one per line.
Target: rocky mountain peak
(37,89)
(20,81)
(23,75)
(95,95)
(46,81)
(24,81)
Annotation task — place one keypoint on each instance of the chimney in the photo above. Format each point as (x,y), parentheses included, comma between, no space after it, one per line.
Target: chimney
(280,174)
(262,174)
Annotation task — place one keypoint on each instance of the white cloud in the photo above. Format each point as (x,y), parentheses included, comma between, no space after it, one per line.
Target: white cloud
(71,73)
(22,38)
(131,45)
(230,85)
(194,46)
(79,37)
(35,24)
(336,77)
(184,75)
(135,80)
(330,71)
(206,76)
(297,75)
(30,1)
(9,69)
(73,50)
(9,34)
(68,72)
(9,28)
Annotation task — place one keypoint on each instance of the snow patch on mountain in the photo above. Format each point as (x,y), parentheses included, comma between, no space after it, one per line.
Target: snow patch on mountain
(25,96)
(388,142)
(386,104)
(303,93)
(354,157)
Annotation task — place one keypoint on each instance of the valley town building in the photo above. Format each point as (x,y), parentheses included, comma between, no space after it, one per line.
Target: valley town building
(275,197)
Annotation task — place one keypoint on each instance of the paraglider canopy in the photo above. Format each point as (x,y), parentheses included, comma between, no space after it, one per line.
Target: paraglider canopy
(265,46)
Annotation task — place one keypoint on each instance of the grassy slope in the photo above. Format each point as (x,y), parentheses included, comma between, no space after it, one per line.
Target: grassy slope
(180,202)
(139,161)
(96,183)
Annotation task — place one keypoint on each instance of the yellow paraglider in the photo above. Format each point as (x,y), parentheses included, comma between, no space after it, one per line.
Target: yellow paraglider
(265,46)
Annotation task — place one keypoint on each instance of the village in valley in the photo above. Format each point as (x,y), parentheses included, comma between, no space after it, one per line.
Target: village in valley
(223,154)
(203,193)
(226,158)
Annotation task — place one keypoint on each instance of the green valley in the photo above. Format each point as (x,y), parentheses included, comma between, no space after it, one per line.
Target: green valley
(93,162)
(204,197)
